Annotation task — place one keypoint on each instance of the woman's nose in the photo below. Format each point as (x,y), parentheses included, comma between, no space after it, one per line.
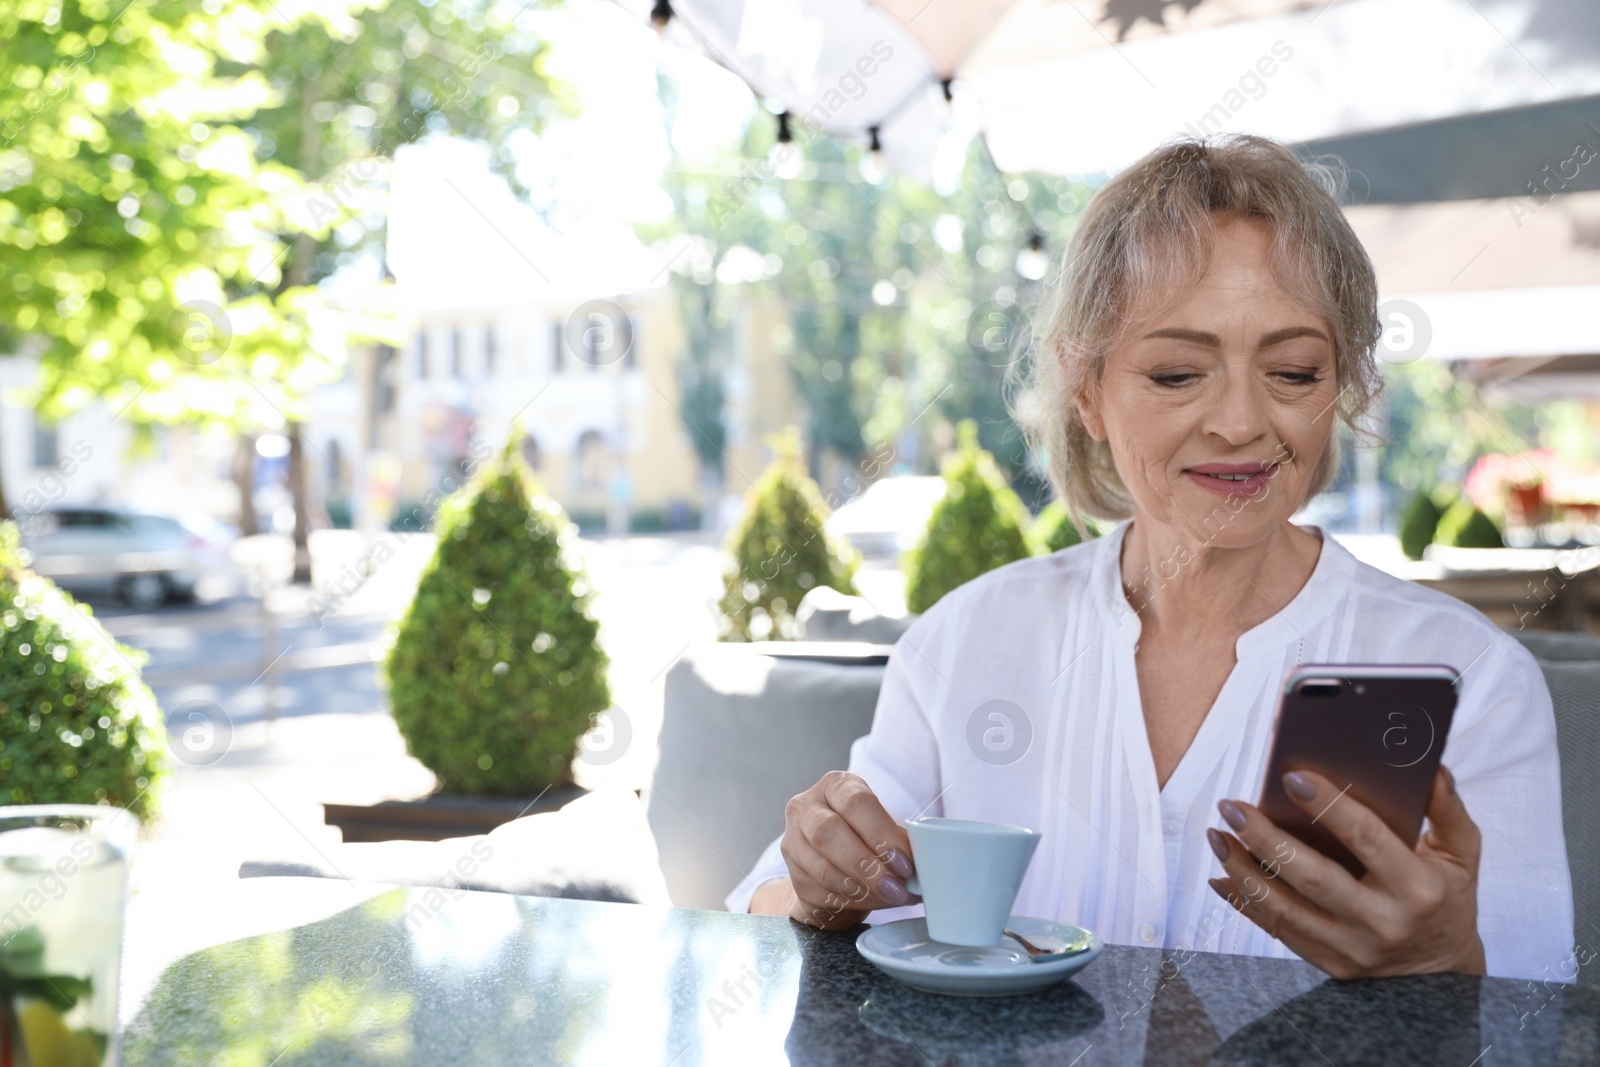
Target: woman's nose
(1238,412)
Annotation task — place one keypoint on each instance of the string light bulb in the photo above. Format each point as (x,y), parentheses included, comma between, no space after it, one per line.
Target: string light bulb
(785,154)
(660,15)
(872,161)
(1032,261)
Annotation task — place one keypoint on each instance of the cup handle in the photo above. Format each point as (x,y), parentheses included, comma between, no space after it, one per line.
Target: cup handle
(913,886)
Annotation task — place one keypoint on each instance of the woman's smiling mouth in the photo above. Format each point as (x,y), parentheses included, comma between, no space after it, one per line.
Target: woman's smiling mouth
(1233,479)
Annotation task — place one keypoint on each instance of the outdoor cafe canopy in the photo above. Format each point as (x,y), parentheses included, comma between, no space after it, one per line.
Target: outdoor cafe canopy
(1471,128)
(1427,99)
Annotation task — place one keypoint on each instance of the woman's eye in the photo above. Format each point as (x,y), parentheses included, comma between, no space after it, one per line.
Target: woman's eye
(1300,377)
(1178,378)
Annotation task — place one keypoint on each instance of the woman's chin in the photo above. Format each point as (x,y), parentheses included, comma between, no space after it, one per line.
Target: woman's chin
(1237,523)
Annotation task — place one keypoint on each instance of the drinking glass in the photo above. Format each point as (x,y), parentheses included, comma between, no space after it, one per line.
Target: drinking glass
(63,889)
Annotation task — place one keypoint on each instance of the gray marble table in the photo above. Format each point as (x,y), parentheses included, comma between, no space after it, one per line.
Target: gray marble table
(419,976)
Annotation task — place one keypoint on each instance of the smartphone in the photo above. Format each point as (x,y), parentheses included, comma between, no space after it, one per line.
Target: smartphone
(1375,730)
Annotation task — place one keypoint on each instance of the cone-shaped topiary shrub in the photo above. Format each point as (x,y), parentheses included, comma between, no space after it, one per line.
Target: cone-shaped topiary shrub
(977,526)
(495,670)
(1465,526)
(1419,523)
(779,551)
(77,723)
(1052,529)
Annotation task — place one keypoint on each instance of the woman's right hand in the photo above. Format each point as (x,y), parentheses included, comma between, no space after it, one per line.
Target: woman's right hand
(846,855)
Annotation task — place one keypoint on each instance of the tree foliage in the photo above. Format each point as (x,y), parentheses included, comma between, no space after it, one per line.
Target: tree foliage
(904,303)
(495,670)
(779,551)
(977,526)
(175,178)
(77,723)
(135,217)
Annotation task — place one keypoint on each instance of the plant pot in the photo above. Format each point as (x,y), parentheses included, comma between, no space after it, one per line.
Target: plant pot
(1525,503)
(441,816)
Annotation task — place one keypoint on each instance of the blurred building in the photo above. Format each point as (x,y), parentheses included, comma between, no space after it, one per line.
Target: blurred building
(97,455)
(594,387)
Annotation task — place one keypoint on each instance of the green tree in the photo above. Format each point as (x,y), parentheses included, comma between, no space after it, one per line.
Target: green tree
(1436,425)
(495,671)
(134,217)
(77,723)
(779,551)
(901,299)
(977,526)
(347,92)
(174,184)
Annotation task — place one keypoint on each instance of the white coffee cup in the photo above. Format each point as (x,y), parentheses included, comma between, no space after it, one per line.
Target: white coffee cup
(968,874)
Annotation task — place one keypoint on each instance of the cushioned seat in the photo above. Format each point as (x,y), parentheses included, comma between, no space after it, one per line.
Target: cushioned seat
(741,733)
(1571,666)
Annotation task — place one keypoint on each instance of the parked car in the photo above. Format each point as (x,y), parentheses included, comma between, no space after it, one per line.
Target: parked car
(144,557)
(890,515)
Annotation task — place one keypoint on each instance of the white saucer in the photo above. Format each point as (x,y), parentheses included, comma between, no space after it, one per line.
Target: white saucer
(902,950)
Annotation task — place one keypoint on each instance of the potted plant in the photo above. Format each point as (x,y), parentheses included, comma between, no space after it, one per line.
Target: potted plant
(495,670)
(779,551)
(77,724)
(977,526)
(1053,529)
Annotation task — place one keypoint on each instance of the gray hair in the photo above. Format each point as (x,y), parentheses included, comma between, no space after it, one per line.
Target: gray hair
(1151,230)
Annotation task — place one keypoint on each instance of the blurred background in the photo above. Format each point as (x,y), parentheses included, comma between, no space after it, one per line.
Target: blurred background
(279,278)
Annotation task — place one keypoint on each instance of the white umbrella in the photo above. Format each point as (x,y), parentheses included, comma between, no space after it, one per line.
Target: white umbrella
(1078,87)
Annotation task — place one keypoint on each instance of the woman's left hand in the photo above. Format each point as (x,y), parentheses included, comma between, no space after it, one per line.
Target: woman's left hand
(1415,912)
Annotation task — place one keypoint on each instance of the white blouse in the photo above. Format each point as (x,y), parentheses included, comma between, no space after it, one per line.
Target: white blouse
(1015,699)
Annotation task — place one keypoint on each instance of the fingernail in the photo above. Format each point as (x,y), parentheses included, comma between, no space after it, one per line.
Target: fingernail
(1232,812)
(898,863)
(1219,844)
(1299,785)
(892,890)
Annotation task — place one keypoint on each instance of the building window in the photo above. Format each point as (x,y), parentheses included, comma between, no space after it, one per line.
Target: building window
(422,355)
(46,444)
(591,465)
(530,451)
(383,374)
(455,352)
(336,479)
(488,350)
(558,347)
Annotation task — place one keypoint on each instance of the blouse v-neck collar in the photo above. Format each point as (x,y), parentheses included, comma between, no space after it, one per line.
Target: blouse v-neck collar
(1329,579)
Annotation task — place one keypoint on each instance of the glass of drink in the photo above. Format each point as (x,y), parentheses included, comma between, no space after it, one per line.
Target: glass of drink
(63,887)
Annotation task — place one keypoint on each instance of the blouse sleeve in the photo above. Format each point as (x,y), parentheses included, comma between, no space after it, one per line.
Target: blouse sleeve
(898,758)
(1502,751)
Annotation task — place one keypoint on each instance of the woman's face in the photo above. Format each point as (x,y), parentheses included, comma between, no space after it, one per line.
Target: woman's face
(1219,412)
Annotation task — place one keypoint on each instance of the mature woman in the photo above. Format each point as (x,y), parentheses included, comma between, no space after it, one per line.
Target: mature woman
(1214,318)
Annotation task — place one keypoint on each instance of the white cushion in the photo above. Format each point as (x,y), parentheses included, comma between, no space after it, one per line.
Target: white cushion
(598,847)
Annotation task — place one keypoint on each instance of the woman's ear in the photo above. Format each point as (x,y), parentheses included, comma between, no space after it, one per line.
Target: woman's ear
(1086,399)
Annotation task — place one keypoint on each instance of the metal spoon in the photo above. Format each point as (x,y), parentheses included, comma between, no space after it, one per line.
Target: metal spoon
(1044,955)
